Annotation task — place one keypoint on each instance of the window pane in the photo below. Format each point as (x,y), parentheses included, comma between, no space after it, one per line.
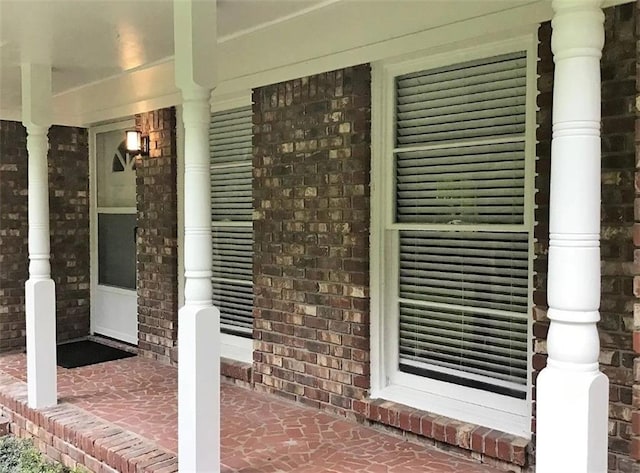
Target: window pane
(464,304)
(460,160)
(462,185)
(117,250)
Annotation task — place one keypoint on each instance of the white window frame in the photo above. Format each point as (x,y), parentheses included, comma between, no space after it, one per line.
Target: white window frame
(463,403)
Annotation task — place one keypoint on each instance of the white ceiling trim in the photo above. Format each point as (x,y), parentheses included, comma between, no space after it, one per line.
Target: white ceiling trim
(282,19)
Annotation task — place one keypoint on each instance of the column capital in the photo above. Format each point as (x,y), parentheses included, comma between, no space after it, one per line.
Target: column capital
(196,109)
(577,28)
(195,93)
(36,130)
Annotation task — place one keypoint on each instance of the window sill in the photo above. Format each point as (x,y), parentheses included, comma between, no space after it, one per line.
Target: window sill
(466,404)
(490,443)
(236,348)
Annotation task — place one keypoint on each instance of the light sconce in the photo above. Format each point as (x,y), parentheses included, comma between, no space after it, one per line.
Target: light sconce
(136,143)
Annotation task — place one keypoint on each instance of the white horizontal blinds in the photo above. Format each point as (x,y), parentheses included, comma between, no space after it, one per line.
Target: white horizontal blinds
(460,160)
(460,143)
(463,304)
(484,98)
(465,185)
(231,193)
(484,269)
(230,138)
(233,276)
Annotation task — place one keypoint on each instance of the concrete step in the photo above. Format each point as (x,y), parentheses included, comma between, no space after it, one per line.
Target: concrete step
(5,426)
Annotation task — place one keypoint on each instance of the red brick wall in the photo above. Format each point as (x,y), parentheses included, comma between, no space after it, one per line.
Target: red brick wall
(157,242)
(69,211)
(311,227)
(617,218)
(69,225)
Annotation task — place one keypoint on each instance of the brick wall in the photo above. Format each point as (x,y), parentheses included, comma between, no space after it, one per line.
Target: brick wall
(617,218)
(13,233)
(157,242)
(635,402)
(69,225)
(311,227)
(69,211)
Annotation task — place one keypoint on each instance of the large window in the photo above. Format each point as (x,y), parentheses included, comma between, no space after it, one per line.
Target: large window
(455,201)
(231,214)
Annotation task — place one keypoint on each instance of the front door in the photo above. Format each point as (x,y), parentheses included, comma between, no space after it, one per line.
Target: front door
(114,305)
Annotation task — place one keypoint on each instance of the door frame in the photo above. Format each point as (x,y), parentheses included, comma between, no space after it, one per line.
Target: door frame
(128,123)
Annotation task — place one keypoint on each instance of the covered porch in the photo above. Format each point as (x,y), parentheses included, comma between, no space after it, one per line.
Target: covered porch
(122,416)
(320,334)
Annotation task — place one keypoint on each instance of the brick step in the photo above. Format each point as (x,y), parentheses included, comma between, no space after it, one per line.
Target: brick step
(5,426)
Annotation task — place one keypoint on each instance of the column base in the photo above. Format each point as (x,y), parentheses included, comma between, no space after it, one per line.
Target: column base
(571,419)
(40,308)
(199,389)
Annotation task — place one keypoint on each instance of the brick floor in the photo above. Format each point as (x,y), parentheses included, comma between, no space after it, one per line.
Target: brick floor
(260,433)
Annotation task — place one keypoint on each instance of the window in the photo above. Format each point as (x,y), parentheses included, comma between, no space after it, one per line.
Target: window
(455,195)
(122,158)
(230,136)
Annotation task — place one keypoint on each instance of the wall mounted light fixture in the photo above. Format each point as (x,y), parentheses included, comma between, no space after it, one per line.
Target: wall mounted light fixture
(136,143)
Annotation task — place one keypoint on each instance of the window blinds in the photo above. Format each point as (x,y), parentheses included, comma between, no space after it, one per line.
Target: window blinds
(460,160)
(484,98)
(463,303)
(230,139)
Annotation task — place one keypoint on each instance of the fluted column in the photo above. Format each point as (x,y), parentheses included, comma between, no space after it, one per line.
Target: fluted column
(572,394)
(198,321)
(40,300)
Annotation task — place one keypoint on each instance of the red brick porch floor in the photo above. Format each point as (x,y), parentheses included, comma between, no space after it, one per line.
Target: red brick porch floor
(260,433)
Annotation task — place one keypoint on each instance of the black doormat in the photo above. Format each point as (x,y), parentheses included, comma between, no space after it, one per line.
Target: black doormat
(86,352)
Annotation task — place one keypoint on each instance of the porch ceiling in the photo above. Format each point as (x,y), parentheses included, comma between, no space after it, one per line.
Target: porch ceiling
(120,51)
(88,41)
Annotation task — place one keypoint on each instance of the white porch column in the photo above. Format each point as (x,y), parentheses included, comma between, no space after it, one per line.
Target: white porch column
(198,321)
(40,299)
(572,394)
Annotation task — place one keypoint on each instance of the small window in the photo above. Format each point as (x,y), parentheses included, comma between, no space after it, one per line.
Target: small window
(230,136)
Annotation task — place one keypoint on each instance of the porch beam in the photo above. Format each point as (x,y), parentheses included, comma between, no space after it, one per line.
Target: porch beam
(195,42)
(572,394)
(40,299)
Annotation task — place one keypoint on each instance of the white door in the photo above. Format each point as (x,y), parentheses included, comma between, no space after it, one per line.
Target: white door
(114,303)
